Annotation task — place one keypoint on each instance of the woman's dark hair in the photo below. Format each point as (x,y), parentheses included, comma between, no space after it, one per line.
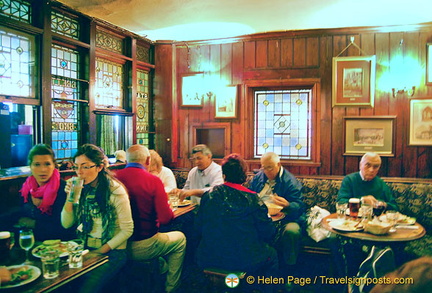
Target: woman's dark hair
(40,150)
(96,155)
(234,168)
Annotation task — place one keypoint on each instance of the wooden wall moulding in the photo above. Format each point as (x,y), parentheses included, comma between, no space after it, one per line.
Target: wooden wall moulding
(369,134)
(353,81)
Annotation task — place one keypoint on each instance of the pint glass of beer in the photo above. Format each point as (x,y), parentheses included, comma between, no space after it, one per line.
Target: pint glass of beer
(354,206)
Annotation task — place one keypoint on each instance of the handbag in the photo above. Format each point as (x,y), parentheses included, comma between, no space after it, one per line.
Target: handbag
(314,229)
(379,262)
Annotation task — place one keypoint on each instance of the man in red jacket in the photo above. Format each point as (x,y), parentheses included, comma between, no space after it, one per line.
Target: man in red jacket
(150,209)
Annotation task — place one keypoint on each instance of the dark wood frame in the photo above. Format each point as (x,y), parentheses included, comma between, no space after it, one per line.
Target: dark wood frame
(388,123)
(412,124)
(365,97)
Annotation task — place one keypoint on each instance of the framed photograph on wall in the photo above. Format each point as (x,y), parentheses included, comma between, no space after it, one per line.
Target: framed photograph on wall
(354,81)
(429,63)
(226,102)
(420,129)
(192,92)
(369,134)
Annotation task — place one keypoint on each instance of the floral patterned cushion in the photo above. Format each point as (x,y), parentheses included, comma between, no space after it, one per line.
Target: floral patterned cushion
(414,199)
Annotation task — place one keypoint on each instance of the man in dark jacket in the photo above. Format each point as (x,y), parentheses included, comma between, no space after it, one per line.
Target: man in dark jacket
(275,184)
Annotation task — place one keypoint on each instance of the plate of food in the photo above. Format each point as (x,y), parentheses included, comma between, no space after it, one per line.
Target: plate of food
(184,203)
(400,219)
(21,275)
(346,225)
(57,244)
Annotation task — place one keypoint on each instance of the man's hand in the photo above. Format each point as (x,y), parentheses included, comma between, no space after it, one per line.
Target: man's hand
(369,199)
(280,201)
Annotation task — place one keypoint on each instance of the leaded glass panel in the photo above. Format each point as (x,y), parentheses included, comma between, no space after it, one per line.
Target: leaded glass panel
(142,125)
(143,53)
(64,25)
(109,84)
(109,42)
(17,65)
(65,128)
(283,123)
(16,9)
(65,114)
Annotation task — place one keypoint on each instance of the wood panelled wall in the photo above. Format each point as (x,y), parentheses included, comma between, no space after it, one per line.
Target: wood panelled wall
(296,57)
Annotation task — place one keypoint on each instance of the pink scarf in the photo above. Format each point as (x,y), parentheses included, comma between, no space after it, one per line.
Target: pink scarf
(47,192)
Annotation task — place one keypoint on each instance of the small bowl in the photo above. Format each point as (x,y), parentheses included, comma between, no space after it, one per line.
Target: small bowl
(378,228)
(273,209)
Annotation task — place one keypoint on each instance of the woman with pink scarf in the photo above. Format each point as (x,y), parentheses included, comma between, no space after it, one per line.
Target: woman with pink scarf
(43,197)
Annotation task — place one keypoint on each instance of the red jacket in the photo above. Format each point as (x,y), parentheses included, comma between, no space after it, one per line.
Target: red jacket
(148,200)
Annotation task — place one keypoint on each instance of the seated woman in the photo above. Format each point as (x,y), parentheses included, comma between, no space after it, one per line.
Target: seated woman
(234,226)
(43,197)
(158,169)
(103,214)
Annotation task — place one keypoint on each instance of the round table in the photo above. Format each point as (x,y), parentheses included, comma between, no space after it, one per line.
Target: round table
(409,233)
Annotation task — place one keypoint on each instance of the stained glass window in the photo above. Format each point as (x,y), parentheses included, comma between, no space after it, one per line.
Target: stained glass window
(17,65)
(283,123)
(109,42)
(143,53)
(65,113)
(109,84)
(16,9)
(142,125)
(64,25)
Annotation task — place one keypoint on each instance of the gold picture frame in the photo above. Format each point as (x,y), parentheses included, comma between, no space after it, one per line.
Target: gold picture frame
(353,81)
(420,128)
(369,134)
(192,92)
(226,102)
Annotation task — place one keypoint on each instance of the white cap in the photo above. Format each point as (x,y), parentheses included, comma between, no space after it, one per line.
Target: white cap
(5,235)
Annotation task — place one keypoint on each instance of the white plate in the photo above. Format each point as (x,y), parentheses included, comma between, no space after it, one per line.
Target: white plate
(184,203)
(345,226)
(36,252)
(34,275)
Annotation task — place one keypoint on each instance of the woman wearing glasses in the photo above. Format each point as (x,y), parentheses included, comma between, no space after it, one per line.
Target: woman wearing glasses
(43,197)
(102,213)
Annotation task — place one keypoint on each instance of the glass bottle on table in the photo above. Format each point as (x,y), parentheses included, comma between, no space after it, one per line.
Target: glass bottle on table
(26,241)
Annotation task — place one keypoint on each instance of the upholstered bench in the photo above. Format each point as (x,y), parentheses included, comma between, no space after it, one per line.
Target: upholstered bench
(413,195)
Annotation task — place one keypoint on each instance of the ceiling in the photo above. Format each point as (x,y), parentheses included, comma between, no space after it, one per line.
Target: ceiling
(185,20)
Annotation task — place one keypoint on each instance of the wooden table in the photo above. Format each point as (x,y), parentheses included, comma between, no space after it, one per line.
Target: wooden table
(183,210)
(90,262)
(401,234)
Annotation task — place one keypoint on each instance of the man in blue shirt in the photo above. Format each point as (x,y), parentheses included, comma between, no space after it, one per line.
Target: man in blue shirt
(274,183)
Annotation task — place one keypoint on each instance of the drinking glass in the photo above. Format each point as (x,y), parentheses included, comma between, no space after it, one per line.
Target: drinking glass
(392,217)
(341,210)
(26,241)
(378,208)
(174,200)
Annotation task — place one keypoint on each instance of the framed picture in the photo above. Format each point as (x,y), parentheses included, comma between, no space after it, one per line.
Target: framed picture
(420,129)
(226,102)
(192,90)
(429,63)
(369,134)
(354,81)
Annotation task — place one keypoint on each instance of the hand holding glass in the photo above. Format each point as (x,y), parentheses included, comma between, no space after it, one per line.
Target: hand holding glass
(26,241)
(75,189)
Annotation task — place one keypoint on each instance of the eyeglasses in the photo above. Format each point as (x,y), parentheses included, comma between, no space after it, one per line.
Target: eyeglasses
(82,167)
(267,168)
